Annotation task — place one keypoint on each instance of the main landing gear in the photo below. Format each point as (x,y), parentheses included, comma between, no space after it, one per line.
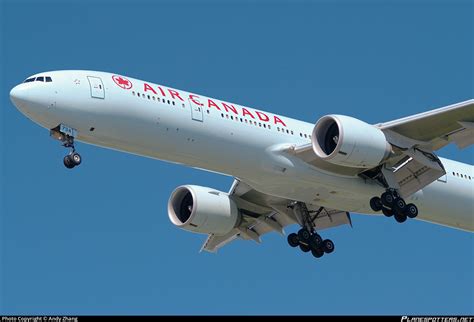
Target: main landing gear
(392,204)
(307,239)
(66,136)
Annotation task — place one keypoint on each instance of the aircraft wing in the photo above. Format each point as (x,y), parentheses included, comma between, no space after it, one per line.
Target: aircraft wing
(263,213)
(413,164)
(436,128)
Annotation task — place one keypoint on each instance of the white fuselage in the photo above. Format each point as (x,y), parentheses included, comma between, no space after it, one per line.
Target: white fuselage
(168,124)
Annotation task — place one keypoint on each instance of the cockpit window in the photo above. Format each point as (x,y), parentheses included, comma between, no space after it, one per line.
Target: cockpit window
(39,79)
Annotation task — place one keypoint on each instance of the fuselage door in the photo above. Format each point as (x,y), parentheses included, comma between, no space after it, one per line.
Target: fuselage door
(196,111)
(97,87)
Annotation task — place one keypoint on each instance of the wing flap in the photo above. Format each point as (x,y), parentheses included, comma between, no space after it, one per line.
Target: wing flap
(465,136)
(214,242)
(262,214)
(412,175)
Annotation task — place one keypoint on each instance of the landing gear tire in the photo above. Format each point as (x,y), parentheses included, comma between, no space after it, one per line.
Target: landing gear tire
(400,204)
(76,158)
(293,240)
(304,235)
(328,246)
(305,248)
(387,212)
(317,252)
(68,162)
(376,204)
(400,217)
(411,210)
(316,241)
(387,199)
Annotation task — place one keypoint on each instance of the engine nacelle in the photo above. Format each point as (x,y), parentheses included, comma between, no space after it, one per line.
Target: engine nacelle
(347,141)
(202,210)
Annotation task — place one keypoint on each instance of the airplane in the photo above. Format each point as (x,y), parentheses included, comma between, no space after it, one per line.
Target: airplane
(285,171)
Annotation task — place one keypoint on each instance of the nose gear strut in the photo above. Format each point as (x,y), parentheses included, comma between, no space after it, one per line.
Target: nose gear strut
(66,135)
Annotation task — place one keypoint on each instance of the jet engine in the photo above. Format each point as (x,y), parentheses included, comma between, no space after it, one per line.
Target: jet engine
(202,210)
(347,141)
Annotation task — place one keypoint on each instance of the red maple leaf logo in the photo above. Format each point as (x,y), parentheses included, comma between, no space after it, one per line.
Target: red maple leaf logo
(122,82)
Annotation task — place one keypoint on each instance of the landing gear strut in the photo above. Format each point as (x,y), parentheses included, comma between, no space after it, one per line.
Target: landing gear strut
(307,239)
(66,136)
(392,204)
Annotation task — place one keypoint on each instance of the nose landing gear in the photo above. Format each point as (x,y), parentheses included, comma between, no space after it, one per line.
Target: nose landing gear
(392,204)
(66,136)
(307,239)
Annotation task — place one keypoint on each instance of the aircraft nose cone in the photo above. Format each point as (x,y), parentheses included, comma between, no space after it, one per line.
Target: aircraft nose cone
(34,101)
(18,95)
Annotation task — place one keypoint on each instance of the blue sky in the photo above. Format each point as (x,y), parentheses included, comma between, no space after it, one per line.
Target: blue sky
(97,240)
